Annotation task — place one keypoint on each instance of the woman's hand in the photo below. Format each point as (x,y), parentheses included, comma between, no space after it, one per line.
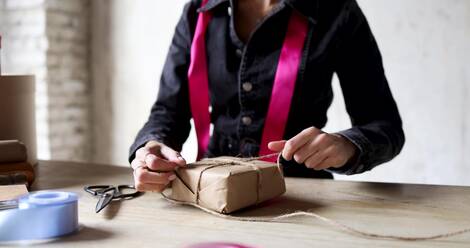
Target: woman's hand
(316,149)
(154,166)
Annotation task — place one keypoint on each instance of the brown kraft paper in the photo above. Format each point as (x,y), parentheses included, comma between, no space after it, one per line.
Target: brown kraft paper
(228,184)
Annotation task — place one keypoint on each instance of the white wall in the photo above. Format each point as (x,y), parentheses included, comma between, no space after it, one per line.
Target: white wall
(425,45)
(130,41)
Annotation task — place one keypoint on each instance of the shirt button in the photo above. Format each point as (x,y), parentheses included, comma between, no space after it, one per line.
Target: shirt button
(239,53)
(246,120)
(247,86)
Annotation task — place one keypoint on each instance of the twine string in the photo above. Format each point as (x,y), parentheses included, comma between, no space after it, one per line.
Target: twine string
(278,219)
(258,183)
(223,163)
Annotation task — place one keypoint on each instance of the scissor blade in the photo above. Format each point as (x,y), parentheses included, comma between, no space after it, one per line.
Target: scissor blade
(104,200)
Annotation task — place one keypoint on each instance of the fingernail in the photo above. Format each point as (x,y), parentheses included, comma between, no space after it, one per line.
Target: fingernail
(172,177)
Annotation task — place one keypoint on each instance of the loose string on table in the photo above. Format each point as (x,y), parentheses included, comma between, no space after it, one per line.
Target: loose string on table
(278,219)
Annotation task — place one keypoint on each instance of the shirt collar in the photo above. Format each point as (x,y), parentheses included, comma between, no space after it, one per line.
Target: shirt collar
(308,8)
(212,4)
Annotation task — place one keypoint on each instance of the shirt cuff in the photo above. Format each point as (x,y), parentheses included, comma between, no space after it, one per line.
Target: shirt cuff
(355,165)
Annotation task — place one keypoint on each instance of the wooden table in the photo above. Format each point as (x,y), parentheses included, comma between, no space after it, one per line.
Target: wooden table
(150,221)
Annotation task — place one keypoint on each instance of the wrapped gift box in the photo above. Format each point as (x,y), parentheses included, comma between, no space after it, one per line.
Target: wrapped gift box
(228,184)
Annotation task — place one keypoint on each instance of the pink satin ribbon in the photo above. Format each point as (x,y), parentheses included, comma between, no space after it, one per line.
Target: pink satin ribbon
(282,92)
(199,83)
(284,83)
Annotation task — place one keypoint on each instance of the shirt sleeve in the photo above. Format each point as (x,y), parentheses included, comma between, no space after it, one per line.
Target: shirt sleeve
(376,123)
(169,120)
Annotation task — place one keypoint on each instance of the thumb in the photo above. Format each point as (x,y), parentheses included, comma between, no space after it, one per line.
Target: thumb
(173,156)
(277,146)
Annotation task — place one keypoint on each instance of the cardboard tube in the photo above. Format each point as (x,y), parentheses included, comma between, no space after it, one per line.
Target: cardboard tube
(17,112)
(12,151)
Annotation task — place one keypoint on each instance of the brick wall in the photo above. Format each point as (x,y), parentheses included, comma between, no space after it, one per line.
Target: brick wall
(49,38)
(68,83)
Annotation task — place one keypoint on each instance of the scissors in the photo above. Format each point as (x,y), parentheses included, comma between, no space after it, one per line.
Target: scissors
(108,193)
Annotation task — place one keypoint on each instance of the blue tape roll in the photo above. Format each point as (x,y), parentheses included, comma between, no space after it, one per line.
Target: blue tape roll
(40,215)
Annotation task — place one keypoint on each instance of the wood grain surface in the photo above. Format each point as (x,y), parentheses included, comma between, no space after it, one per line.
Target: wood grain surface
(150,221)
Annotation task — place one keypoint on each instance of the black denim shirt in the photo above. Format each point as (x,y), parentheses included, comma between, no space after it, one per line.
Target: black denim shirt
(241,78)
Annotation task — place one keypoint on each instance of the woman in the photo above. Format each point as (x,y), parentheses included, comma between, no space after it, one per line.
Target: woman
(265,69)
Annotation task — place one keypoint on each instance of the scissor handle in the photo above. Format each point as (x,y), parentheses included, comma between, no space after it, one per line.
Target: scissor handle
(120,193)
(98,189)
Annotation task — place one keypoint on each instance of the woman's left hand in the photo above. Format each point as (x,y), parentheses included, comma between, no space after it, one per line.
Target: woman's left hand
(316,149)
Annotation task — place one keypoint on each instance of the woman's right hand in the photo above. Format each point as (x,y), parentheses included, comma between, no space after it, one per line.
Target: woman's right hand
(154,166)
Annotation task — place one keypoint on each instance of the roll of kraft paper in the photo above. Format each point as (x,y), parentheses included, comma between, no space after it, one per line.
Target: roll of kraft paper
(12,151)
(40,215)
